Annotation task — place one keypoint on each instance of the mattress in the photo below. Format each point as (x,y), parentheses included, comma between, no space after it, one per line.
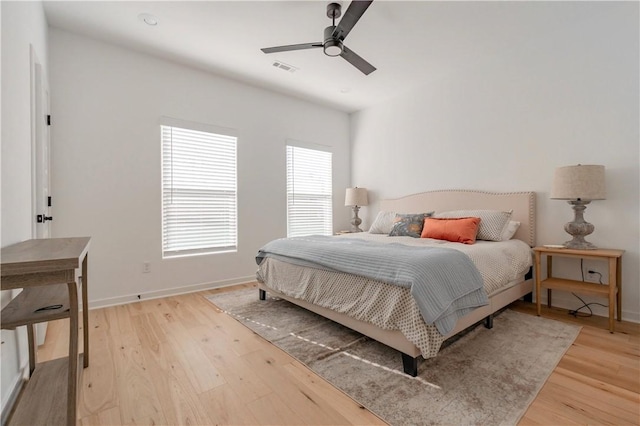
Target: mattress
(391,307)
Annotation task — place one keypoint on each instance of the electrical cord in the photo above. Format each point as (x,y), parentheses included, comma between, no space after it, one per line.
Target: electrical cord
(576,312)
(599,275)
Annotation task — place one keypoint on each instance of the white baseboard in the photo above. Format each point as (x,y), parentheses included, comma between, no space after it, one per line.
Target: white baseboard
(121,300)
(631,316)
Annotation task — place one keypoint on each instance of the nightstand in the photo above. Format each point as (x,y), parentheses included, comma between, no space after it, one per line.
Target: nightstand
(613,290)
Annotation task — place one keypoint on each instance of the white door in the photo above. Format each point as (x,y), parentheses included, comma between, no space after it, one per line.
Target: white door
(40,162)
(42,182)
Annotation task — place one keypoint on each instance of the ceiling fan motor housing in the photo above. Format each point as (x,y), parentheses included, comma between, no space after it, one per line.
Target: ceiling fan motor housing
(332,46)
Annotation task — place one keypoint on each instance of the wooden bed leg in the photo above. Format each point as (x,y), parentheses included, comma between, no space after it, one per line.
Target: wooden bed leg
(262,294)
(410,364)
(488,321)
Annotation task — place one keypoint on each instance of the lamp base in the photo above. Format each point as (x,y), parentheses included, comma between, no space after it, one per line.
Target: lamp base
(579,243)
(356,221)
(579,228)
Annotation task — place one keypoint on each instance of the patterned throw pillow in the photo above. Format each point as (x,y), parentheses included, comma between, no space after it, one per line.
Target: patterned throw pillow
(408,225)
(492,222)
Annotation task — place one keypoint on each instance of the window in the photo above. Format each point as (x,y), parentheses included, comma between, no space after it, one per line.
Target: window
(199,199)
(309,206)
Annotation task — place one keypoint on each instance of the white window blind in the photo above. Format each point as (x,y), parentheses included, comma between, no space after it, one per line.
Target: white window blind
(199,200)
(309,206)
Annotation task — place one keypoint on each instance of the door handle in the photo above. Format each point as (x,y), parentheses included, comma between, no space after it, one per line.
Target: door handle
(41,218)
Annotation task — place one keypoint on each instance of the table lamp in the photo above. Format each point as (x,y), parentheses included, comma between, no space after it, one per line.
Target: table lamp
(356,197)
(579,185)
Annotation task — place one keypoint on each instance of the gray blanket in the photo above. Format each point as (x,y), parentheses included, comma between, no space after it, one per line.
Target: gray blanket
(444,282)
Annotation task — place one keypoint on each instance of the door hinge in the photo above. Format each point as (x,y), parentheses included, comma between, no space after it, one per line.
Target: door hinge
(48,119)
(48,201)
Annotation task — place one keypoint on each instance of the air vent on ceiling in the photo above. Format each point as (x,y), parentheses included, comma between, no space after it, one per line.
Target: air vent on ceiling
(284,66)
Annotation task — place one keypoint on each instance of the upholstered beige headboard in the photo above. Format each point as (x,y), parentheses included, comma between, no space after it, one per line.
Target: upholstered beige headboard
(523,205)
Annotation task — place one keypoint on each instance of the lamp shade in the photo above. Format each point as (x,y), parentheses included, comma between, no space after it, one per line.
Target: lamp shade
(581,182)
(356,197)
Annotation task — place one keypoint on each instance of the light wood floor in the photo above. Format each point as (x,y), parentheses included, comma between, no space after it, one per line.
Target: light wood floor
(598,379)
(177,361)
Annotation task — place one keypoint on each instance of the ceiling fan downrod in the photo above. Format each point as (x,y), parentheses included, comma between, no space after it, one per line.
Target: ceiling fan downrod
(332,46)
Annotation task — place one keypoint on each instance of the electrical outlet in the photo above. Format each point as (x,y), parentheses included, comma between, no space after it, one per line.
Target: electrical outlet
(146,267)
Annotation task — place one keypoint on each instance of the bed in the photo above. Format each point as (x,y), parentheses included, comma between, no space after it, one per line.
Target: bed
(344,297)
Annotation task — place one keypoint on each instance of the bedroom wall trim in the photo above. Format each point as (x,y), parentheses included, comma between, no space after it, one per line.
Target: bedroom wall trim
(150,295)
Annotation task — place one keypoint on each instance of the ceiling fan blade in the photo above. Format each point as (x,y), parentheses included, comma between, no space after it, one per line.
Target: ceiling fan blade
(351,16)
(357,61)
(291,47)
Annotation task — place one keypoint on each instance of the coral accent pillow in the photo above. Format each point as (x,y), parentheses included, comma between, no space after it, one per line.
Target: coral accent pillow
(492,222)
(460,230)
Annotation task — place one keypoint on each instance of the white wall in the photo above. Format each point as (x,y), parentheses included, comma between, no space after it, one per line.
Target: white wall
(568,95)
(23,24)
(106,105)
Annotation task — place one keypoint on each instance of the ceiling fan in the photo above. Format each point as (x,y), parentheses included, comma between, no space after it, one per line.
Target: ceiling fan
(334,36)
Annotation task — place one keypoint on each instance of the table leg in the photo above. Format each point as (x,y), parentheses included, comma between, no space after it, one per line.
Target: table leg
(72,385)
(619,286)
(85,309)
(537,271)
(612,292)
(549,275)
(33,348)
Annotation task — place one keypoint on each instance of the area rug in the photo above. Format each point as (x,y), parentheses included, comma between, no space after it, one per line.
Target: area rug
(484,377)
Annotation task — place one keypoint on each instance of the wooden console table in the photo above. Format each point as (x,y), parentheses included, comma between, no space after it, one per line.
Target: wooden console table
(46,271)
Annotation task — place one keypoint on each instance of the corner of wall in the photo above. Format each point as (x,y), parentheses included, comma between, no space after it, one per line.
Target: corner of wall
(23,25)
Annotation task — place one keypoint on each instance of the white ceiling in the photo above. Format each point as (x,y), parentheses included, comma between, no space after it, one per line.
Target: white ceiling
(409,42)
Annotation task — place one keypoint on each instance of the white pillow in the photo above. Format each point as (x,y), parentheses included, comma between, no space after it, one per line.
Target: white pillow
(509,231)
(492,222)
(383,223)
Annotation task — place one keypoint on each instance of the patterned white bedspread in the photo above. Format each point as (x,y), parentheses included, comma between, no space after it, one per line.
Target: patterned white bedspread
(388,306)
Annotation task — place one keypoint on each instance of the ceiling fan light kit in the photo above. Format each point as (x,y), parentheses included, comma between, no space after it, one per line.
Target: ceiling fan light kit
(332,47)
(334,36)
